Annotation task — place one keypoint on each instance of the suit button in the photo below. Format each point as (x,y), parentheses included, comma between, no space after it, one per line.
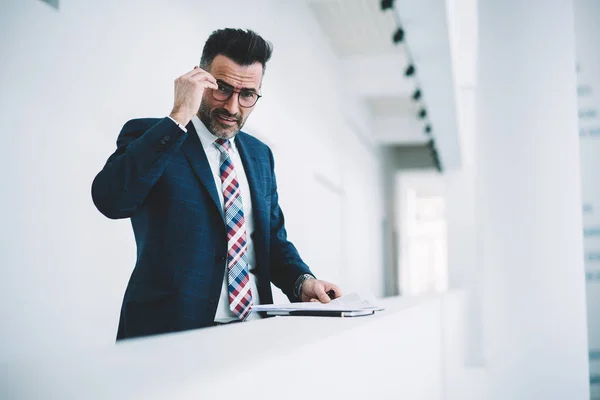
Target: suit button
(222,259)
(167,138)
(212,301)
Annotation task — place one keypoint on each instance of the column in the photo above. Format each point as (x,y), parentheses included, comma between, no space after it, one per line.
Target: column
(587,32)
(529,200)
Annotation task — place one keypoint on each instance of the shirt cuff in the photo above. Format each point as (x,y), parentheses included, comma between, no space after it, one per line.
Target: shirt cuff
(183,128)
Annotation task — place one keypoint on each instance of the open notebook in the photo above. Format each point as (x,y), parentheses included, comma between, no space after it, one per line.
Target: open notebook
(350,305)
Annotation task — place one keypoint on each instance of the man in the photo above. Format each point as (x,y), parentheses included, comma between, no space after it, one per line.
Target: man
(203,203)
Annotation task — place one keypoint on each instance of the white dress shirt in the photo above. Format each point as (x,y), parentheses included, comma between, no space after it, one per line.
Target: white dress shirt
(224,313)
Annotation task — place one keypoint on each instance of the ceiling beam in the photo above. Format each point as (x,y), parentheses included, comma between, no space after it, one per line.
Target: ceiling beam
(399,130)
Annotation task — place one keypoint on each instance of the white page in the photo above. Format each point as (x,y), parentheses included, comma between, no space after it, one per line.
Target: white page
(349,302)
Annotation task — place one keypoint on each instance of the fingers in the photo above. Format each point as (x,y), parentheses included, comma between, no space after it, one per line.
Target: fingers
(321,295)
(335,288)
(316,291)
(200,75)
(205,80)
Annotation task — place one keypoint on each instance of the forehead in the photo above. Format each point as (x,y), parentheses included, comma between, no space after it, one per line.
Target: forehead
(239,76)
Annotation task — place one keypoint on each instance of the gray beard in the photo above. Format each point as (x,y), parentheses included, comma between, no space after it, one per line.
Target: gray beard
(213,126)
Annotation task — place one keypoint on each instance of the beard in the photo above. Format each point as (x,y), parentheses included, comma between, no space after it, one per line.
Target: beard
(216,127)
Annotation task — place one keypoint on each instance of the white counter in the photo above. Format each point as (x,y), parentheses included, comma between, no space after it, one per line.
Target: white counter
(401,352)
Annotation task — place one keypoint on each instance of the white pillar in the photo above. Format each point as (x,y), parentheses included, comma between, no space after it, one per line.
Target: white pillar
(587,32)
(529,182)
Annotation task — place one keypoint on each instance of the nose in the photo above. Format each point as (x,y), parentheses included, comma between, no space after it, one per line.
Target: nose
(232,105)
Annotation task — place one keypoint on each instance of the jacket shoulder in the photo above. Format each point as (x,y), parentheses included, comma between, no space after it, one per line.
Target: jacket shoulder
(253,142)
(138,124)
(135,128)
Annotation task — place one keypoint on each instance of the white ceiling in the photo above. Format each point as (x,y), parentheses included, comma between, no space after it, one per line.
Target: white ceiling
(355,27)
(361,35)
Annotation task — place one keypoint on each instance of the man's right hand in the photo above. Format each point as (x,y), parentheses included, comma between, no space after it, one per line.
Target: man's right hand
(188,94)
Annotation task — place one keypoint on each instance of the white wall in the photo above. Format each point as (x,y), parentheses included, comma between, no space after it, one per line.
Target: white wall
(70,79)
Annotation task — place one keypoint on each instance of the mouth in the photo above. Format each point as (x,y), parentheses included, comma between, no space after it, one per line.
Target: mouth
(227,120)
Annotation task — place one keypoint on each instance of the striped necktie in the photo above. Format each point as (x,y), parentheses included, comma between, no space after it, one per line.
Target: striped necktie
(240,296)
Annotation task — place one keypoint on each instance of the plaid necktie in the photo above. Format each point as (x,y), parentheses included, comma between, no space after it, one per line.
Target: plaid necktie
(240,297)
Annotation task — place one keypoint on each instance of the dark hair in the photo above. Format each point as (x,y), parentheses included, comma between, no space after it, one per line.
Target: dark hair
(245,47)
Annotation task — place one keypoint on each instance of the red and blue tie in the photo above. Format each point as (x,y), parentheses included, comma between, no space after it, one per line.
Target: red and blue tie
(240,296)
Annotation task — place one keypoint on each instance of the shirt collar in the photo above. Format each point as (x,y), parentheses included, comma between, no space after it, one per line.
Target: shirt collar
(206,138)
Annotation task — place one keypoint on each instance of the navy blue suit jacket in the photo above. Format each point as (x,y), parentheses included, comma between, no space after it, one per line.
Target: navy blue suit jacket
(159,177)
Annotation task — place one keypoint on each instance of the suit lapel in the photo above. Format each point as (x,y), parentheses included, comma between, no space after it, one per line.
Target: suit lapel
(260,209)
(255,180)
(192,148)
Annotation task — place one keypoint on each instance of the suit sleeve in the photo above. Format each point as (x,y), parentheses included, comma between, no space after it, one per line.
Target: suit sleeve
(143,152)
(286,264)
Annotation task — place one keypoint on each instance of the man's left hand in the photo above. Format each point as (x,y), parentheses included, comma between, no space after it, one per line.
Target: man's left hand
(316,290)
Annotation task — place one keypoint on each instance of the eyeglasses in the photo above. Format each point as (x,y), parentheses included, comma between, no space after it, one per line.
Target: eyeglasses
(246,98)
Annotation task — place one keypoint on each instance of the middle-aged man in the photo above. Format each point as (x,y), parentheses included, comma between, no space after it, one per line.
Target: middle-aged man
(202,199)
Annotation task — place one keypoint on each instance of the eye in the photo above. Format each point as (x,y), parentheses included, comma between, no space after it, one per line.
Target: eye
(224,89)
(248,95)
